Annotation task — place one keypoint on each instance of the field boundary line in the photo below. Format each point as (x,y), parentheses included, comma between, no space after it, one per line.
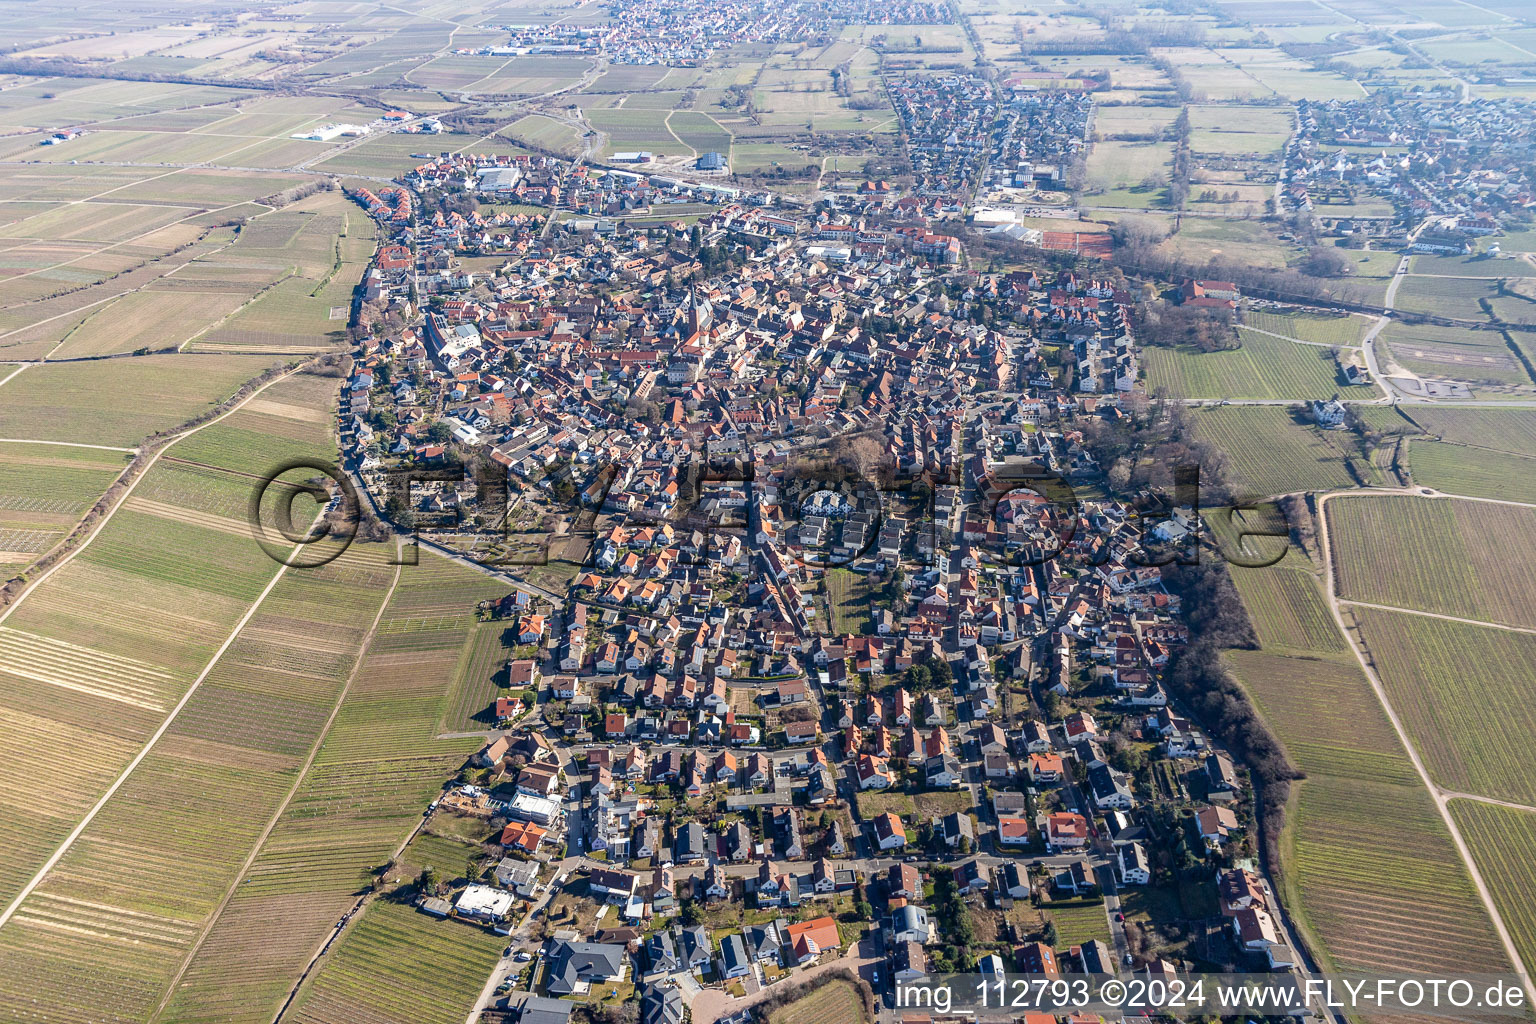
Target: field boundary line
(13,373)
(1441,802)
(1437,615)
(64,444)
(1451,794)
(277,814)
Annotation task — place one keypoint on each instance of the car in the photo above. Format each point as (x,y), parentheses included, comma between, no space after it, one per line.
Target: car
(1129,960)
(1119,916)
(523,956)
(507,951)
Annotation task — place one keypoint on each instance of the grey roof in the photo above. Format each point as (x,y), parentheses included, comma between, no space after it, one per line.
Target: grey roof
(661,1005)
(539,1010)
(695,944)
(733,953)
(689,842)
(575,962)
(660,953)
(762,937)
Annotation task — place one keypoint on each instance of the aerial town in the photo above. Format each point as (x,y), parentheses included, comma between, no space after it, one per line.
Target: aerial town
(810,660)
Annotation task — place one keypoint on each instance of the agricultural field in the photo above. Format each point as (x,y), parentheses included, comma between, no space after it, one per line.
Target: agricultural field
(836,1002)
(1503,844)
(320,248)
(1078,922)
(1238,130)
(1505,430)
(1206,238)
(631,130)
(1456,297)
(543,132)
(1460,690)
(1468,559)
(1476,472)
(153,319)
(479,678)
(389,966)
(119,401)
(390,155)
(206,790)
(1262,367)
(1369,871)
(378,766)
(1274,450)
(1129,174)
(1315,328)
(1458,353)
(847,601)
(44,491)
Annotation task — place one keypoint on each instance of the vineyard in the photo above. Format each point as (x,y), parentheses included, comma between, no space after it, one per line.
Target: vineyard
(1469,559)
(123,628)
(1264,367)
(1381,882)
(204,792)
(1503,842)
(836,1002)
(396,964)
(1508,430)
(475,686)
(1477,472)
(1286,608)
(1344,331)
(1368,868)
(1464,695)
(1272,453)
(119,401)
(377,769)
(45,490)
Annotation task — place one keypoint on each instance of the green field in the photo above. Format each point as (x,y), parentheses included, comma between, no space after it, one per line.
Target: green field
(320,250)
(379,765)
(836,1002)
(1477,472)
(1462,692)
(44,491)
(1503,843)
(1343,331)
(1077,923)
(1505,430)
(1263,367)
(1468,559)
(1272,450)
(389,966)
(1368,869)
(476,682)
(848,595)
(129,909)
(119,401)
